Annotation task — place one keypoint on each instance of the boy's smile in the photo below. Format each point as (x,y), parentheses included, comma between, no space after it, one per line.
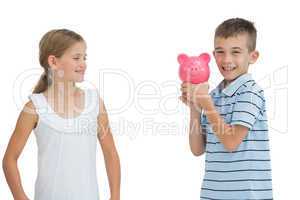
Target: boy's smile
(233,57)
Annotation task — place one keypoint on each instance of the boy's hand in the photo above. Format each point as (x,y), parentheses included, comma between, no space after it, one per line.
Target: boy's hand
(189,103)
(195,94)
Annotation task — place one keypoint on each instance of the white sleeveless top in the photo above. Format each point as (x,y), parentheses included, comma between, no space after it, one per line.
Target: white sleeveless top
(66,151)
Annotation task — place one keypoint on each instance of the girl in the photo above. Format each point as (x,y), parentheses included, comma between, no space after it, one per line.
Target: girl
(67,122)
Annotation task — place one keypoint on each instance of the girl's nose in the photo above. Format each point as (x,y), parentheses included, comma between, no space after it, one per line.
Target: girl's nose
(83,65)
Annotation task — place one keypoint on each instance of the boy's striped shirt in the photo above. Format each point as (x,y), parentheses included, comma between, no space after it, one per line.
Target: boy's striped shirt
(246,172)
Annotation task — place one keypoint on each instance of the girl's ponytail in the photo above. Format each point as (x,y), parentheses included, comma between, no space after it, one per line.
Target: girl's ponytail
(43,83)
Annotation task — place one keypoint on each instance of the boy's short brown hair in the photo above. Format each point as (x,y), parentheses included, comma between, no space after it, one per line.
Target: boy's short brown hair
(236,26)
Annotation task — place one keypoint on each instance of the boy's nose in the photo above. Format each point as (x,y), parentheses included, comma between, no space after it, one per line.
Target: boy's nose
(227,59)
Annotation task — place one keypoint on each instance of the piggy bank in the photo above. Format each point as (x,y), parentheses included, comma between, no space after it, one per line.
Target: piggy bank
(194,69)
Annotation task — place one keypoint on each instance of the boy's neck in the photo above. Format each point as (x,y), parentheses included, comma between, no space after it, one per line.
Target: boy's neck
(227,82)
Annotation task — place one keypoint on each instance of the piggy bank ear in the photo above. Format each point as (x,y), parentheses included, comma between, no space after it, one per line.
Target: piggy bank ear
(205,57)
(182,58)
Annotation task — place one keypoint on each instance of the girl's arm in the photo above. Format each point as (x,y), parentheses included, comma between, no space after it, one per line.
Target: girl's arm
(25,123)
(112,162)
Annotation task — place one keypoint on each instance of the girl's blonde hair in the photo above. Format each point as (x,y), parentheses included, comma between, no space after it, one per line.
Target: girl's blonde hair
(54,42)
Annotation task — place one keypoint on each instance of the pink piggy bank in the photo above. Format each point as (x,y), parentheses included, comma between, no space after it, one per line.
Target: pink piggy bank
(194,69)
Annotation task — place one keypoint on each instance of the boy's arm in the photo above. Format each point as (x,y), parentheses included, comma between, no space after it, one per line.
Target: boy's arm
(25,123)
(230,136)
(197,138)
(247,108)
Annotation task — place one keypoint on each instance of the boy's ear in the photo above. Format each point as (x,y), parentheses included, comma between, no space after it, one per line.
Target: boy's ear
(254,56)
(214,53)
(52,62)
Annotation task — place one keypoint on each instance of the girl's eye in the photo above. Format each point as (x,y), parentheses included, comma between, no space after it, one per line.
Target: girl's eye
(236,52)
(76,58)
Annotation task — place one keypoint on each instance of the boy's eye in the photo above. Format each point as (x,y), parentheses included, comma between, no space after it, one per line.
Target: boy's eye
(219,52)
(76,58)
(235,52)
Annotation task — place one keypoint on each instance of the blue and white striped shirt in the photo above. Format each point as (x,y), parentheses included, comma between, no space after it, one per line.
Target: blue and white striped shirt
(246,172)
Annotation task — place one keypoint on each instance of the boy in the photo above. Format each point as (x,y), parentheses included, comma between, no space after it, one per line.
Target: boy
(232,128)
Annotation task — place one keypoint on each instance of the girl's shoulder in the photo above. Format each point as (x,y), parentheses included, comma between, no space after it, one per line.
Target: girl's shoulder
(29,107)
(28,115)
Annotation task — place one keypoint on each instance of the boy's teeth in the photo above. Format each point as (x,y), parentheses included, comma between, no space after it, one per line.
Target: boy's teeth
(228,68)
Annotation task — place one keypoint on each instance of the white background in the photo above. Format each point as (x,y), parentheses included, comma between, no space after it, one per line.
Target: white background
(140,40)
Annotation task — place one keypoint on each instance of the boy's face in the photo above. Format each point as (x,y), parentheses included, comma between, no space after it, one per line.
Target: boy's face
(233,57)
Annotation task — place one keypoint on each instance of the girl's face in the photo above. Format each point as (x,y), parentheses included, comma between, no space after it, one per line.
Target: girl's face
(71,65)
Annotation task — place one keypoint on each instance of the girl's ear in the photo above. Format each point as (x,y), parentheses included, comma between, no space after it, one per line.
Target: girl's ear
(254,56)
(52,62)
(182,58)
